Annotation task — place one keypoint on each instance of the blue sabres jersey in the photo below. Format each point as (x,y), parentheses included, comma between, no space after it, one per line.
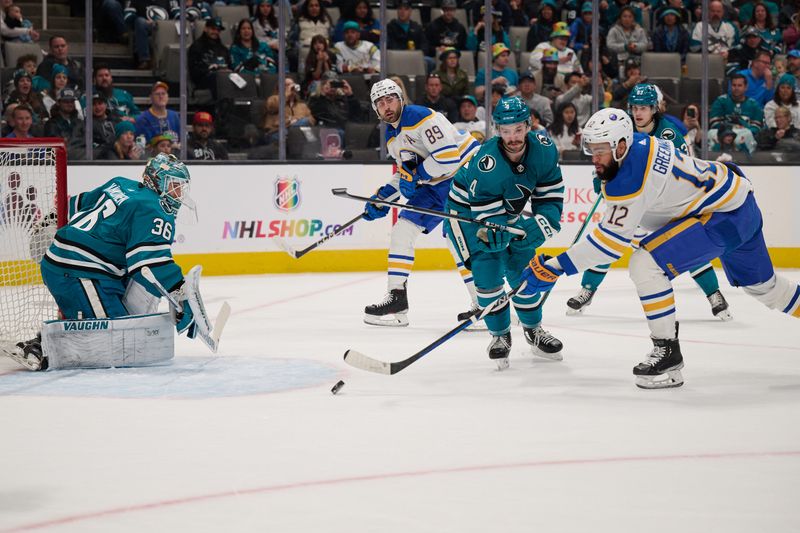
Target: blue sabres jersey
(113,232)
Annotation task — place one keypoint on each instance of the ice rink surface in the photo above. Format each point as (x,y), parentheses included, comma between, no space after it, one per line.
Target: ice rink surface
(253,440)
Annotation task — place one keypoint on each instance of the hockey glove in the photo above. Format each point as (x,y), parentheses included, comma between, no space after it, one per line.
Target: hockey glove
(537,230)
(539,276)
(376,211)
(408,179)
(493,241)
(184,320)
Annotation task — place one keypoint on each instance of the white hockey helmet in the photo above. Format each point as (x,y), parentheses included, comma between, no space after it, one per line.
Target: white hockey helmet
(383,88)
(610,126)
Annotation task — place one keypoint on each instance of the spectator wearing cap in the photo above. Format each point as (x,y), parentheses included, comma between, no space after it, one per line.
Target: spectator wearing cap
(65,122)
(60,81)
(334,105)
(722,35)
(434,99)
(59,55)
(354,55)
(475,38)
(500,6)
(201,144)
(207,56)
(578,92)
(455,82)
(735,110)
(158,119)
(120,104)
(359,12)
(23,94)
(783,135)
(23,121)
(248,54)
(445,31)
(784,97)
(627,38)
(670,35)
(103,135)
(580,30)
(740,56)
(471,117)
(124,147)
(537,102)
(403,33)
(500,71)
(548,79)
(793,68)
(163,143)
(296,112)
(542,27)
(760,84)
(761,20)
(568,60)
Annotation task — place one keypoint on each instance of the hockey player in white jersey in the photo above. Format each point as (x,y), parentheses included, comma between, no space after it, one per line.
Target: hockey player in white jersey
(696,211)
(428,150)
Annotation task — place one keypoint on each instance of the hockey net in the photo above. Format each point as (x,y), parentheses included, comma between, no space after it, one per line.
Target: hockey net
(33,204)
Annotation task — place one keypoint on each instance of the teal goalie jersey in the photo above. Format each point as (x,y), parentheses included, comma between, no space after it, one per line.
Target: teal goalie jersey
(113,232)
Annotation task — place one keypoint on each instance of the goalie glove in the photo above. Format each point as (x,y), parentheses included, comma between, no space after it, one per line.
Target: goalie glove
(184,319)
(539,276)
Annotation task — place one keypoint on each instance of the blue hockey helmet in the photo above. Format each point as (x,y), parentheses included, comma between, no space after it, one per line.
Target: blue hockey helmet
(510,110)
(169,178)
(644,94)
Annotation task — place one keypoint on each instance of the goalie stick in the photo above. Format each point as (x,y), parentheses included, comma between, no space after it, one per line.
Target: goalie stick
(209,336)
(297,254)
(342,193)
(365,362)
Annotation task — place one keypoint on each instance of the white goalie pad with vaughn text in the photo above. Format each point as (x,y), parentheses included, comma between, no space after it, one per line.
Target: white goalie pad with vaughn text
(137,340)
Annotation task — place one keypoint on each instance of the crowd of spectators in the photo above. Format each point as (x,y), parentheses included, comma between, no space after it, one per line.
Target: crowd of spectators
(332,61)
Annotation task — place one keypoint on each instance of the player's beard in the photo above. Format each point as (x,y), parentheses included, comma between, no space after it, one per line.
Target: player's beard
(610,172)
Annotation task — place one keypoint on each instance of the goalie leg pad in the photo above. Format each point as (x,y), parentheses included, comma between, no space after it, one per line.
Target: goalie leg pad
(138,340)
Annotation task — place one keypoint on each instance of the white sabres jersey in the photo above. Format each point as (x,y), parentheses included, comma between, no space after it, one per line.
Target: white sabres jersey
(426,142)
(657,184)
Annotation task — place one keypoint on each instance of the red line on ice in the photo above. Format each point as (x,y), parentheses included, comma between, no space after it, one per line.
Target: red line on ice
(392,475)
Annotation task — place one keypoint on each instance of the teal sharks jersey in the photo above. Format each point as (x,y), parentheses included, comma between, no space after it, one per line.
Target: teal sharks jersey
(494,188)
(113,232)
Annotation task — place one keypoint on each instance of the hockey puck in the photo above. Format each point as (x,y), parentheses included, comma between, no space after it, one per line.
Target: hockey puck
(336,388)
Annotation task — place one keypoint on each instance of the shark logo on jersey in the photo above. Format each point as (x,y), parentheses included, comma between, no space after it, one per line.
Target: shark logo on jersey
(487,163)
(518,204)
(287,193)
(668,134)
(544,140)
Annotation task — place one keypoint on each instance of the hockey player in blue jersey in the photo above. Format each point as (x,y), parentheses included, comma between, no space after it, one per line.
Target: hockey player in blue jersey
(643,108)
(693,210)
(93,267)
(428,150)
(514,169)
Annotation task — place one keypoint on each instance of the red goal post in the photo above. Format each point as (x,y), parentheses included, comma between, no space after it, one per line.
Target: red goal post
(33,204)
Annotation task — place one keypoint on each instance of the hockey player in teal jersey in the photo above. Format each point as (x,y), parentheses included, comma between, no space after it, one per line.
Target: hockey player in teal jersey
(513,169)
(93,268)
(643,105)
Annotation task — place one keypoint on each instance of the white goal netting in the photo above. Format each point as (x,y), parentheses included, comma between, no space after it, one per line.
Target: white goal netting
(29,207)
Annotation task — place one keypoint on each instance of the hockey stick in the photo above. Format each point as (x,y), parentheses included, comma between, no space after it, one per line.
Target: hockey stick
(342,193)
(209,339)
(365,362)
(297,254)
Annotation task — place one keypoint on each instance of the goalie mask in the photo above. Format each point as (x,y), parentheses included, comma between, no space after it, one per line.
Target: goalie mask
(169,178)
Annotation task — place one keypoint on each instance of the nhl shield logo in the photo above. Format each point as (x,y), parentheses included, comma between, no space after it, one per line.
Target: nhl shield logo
(287,193)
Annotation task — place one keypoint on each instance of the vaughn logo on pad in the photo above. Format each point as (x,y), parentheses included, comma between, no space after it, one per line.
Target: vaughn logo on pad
(83,325)
(287,193)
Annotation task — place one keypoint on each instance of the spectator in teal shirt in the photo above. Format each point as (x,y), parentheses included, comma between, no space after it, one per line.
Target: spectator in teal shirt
(248,54)
(500,71)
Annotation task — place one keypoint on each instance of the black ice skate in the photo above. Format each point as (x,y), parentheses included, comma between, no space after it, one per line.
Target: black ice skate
(391,311)
(578,303)
(719,306)
(499,349)
(475,326)
(662,368)
(543,344)
(29,354)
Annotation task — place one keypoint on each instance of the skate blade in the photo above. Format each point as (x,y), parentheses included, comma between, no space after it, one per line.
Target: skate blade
(502,363)
(575,312)
(724,315)
(544,355)
(669,380)
(392,321)
(31,364)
